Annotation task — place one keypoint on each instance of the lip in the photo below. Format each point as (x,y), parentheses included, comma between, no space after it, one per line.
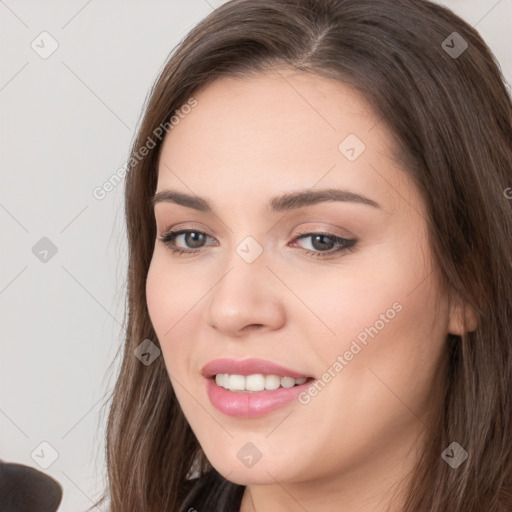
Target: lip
(248,367)
(245,404)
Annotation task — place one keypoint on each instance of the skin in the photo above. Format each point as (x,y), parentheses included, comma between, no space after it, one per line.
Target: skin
(250,139)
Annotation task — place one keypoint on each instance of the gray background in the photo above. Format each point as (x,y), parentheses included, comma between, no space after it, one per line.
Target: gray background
(66,124)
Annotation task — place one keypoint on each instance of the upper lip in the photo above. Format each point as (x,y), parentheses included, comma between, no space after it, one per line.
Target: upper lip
(248,367)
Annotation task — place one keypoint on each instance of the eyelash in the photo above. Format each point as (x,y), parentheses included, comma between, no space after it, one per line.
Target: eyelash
(347,243)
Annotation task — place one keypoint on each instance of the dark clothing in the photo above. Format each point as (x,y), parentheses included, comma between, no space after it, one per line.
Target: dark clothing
(213,493)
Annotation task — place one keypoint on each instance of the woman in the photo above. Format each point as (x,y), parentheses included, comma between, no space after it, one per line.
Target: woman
(319,288)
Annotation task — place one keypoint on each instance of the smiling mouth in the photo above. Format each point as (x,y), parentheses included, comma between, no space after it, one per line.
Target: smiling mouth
(257,382)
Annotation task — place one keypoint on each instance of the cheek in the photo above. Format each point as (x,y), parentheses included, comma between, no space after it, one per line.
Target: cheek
(378,388)
(380,293)
(170,305)
(389,328)
(171,294)
(159,297)
(386,356)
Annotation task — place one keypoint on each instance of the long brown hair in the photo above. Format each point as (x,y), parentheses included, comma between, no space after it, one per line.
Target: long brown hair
(452,117)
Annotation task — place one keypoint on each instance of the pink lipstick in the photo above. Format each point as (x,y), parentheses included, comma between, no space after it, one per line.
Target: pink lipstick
(251,388)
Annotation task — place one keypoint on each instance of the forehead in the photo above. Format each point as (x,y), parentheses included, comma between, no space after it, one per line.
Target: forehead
(271,132)
(275,109)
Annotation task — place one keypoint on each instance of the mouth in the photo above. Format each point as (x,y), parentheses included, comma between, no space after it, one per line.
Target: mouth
(257,382)
(251,388)
(251,403)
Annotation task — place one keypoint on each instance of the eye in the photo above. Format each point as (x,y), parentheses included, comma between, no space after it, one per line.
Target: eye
(323,244)
(193,238)
(327,244)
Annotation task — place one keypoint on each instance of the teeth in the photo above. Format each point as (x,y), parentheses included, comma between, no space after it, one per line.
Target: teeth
(287,382)
(235,382)
(272,382)
(255,382)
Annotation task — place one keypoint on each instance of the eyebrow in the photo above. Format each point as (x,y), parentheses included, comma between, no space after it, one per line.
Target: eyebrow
(285,202)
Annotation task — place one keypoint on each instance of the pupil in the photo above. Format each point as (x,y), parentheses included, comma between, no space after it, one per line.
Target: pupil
(196,239)
(322,237)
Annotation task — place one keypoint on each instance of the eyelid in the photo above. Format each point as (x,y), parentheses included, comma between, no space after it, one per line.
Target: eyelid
(315,229)
(186,226)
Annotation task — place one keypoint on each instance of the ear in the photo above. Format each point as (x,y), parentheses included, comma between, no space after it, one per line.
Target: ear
(463,317)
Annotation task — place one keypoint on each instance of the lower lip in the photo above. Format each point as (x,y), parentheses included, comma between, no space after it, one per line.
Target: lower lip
(241,404)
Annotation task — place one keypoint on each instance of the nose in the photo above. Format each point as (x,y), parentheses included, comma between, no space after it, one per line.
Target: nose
(247,297)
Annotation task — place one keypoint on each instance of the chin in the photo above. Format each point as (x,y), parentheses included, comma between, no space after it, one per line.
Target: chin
(249,476)
(262,472)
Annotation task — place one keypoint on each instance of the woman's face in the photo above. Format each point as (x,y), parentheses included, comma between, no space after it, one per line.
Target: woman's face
(357,309)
